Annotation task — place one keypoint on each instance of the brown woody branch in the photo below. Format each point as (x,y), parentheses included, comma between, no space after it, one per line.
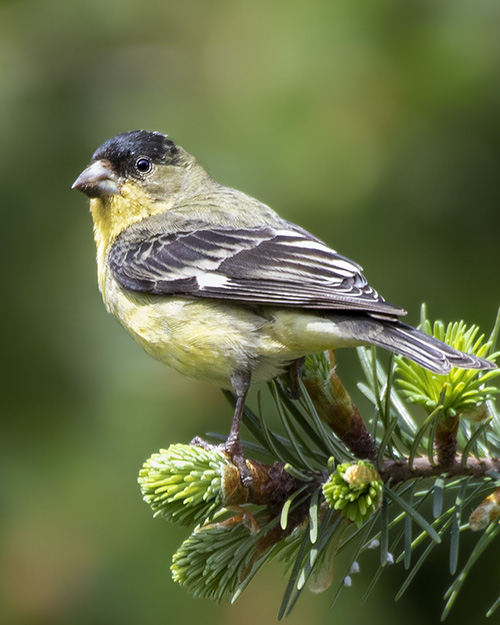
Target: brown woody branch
(273,485)
(337,410)
(402,472)
(445,441)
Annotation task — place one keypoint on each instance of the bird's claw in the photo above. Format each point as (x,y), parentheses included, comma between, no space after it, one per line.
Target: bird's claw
(234,449)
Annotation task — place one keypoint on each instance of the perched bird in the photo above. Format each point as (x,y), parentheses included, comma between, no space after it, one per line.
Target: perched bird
(215,284)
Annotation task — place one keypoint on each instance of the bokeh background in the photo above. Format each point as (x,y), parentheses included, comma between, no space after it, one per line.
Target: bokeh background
(373,124)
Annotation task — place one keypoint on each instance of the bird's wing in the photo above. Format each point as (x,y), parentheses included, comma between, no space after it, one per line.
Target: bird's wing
(259,265)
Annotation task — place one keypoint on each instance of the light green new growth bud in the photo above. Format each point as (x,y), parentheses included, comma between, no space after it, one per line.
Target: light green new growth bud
(317,366)
(186,483)
(355,490)
(461,391)
(213,561)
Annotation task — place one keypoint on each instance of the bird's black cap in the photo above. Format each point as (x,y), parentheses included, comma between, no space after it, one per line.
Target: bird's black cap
(124,149)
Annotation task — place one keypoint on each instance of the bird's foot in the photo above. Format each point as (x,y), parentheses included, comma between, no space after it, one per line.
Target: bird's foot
(197,441)
(234,449)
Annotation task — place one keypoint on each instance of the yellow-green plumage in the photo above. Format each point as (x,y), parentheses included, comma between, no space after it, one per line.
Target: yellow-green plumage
(209,340)
(205,340)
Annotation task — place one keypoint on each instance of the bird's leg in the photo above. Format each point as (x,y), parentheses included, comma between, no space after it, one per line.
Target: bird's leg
(240,382)
(294,373)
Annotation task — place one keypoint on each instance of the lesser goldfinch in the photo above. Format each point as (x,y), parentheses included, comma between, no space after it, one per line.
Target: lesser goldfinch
(215,284)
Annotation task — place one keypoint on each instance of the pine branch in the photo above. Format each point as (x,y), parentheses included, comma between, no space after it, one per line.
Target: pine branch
(340,481)
(397,471)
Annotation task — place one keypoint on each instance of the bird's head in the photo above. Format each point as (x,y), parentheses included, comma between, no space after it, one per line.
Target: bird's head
(134,175)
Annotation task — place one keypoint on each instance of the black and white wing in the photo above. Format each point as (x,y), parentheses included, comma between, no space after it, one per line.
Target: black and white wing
(259,265)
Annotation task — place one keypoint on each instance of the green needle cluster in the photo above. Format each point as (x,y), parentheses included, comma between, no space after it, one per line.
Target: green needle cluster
(459,391)
(185,483)
(212,562)
(355,490)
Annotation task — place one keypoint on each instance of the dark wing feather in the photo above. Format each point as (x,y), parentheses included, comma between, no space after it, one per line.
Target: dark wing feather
(264,265)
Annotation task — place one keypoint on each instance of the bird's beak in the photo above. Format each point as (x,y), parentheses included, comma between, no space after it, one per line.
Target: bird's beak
(97,180)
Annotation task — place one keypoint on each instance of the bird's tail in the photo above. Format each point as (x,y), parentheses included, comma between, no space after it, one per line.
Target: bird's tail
(425,350)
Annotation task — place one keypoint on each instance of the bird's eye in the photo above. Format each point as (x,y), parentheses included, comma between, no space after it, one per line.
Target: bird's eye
(144,165)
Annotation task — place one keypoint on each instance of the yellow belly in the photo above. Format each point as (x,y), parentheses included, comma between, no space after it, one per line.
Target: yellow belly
(208,341)
(211,340)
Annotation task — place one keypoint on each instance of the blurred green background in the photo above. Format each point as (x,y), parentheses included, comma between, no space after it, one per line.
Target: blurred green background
(373,124)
